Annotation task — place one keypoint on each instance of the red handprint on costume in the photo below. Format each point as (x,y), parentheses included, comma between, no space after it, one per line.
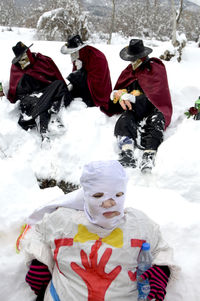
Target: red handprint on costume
(132,275)
(93,273)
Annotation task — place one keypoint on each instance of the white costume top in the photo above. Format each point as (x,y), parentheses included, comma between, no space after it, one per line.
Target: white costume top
(90,263)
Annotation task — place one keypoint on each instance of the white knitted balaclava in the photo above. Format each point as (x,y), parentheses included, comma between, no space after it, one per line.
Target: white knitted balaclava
(109,178)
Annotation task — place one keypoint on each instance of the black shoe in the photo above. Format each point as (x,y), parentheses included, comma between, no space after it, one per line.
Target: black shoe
(126,159)
(148,160)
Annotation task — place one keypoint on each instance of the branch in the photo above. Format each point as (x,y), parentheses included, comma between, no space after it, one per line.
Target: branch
(180,11)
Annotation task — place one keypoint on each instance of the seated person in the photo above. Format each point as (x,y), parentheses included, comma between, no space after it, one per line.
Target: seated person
(91,254)
(142,95)
(36,81)
(90,78)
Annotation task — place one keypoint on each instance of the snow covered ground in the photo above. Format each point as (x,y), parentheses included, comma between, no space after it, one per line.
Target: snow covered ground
(170,195)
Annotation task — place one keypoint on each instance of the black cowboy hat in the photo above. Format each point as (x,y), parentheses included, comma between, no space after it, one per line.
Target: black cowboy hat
(73,44)
(135,50)
(19,50)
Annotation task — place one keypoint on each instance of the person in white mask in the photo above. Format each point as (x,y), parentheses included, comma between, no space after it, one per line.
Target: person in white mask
(91,254)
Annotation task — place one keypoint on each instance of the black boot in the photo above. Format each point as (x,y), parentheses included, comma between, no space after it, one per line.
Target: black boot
(147,162)
(127,158)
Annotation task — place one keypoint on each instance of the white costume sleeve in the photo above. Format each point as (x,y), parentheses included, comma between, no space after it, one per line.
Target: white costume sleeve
(72,200)
(34,246)
(162,253)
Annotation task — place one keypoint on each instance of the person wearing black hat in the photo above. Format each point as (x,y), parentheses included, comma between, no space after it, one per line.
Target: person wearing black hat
(142,95)
(36,81)
(90,77)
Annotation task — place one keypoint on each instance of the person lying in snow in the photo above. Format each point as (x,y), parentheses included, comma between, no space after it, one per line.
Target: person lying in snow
(90,77)
(91,254)
(142,95)
(36,81)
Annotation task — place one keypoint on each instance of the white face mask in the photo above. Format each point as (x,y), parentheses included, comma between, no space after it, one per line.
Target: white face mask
(109,178)
(136,64)
(95,212)
(24,61)
(74,56)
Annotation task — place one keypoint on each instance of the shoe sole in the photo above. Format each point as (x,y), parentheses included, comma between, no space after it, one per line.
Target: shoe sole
(146,170)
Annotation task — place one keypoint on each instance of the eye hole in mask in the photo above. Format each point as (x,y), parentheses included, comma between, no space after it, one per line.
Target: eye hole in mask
(100,194)
(24,61)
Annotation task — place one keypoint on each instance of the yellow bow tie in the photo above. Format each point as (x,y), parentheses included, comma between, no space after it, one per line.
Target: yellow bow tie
(115,238)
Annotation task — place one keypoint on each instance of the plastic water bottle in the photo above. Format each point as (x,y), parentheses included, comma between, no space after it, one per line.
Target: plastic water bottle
(144,263)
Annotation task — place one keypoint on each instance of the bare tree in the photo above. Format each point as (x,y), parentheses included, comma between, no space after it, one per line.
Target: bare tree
(9,12)
(112,22)
(176,18)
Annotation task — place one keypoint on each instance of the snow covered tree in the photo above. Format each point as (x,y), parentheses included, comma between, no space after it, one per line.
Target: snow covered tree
(59,23)
(9,12)
(175,17)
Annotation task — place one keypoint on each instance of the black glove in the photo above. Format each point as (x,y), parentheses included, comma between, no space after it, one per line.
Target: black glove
(158,278)
(78,79)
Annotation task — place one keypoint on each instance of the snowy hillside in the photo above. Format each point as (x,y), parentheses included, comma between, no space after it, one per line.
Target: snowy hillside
(170,195)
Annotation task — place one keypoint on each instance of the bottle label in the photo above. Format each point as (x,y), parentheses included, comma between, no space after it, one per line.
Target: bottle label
(143,289)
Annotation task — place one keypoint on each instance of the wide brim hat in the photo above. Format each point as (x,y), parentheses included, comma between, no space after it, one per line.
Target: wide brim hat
(19,49)
(73,44)
(135,50)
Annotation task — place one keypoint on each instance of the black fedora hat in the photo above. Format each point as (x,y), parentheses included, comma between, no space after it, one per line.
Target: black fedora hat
(135,50)
(19,50)
(73,44)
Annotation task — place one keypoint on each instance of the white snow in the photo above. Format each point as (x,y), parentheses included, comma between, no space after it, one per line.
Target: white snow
(170,195)
(197,2)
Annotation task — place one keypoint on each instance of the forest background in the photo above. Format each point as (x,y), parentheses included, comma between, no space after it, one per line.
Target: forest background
(56,19)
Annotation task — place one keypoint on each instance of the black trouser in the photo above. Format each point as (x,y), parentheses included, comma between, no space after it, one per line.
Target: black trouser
(80,89)
(43,106)
(151,131)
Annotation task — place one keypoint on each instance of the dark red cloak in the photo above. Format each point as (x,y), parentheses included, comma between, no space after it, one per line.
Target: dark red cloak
(42,68)
(154,83)
(98,75)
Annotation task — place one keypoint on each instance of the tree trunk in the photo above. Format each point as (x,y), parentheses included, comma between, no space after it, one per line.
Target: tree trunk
(112,23)
(180,11)
(176,18)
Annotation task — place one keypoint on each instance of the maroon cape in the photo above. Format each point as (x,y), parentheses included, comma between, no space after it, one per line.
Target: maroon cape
(98,75)
(42,68)
(153,82)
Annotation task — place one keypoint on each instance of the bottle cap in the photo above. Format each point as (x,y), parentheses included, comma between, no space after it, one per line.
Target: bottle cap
(145,246)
